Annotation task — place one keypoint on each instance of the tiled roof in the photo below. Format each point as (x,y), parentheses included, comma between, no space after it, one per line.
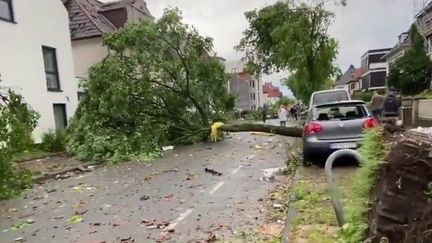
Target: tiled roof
(352,74)
(86,19)
(271,90)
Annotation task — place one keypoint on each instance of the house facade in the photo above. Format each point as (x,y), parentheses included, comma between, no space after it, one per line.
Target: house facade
(36,59)
(424,23)
(398,50)
(90,20)
(375,68)
(350,80)
(246,88)
(271,94)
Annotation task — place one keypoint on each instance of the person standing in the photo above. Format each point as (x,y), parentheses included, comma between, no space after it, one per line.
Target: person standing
(264,113)
(283,115)
(377,105)
(293,112)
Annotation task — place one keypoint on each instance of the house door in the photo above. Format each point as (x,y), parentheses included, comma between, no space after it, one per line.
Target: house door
(60,117)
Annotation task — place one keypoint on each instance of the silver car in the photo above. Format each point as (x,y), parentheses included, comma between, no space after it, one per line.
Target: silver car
(333,126)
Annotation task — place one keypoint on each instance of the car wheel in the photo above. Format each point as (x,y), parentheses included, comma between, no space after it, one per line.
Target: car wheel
(305,161)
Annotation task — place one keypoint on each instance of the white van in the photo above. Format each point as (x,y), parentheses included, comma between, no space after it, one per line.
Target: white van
(328,96)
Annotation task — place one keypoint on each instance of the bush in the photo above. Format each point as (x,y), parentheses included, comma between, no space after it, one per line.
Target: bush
(17,121)
(54,141)
(253,115)
(366,96)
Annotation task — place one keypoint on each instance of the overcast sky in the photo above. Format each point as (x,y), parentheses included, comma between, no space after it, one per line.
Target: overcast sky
(362,25)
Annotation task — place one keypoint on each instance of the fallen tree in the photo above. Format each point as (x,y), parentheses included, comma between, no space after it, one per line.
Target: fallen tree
(250,127)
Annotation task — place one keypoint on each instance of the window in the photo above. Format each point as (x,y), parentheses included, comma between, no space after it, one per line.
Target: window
(6,12)
(253,83)
(51,70)
(80,95)
(253,96)
(60,117)
(340,112)
(328,97)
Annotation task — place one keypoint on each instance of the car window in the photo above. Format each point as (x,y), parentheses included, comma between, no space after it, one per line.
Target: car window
(322,98)
(340,112)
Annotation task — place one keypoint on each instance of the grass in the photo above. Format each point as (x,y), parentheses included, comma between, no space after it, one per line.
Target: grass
(372,151)
(314,212)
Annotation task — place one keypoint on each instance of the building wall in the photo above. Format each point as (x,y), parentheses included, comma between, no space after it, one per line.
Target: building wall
(86,53)
(135,15)
(38,23)
(241,91)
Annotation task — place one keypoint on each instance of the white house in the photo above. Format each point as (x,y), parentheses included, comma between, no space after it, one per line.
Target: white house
(89,20)
(36,59)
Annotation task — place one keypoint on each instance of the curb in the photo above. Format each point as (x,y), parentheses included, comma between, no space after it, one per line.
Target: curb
(285,236)
(47,176)
(39,157)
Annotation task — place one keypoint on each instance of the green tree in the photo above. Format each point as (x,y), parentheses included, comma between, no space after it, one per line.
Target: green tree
(294,37)
(411,74)
(17,121)
(157,86)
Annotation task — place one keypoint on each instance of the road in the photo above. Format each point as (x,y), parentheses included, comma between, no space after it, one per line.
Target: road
(127,202)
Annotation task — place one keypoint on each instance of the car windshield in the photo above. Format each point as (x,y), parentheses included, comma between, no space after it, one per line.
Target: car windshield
(322,98)
(340,112)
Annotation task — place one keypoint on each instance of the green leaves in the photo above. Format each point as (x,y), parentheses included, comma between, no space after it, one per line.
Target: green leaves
(292,37)
(17,121)
(411,73)
(158,85)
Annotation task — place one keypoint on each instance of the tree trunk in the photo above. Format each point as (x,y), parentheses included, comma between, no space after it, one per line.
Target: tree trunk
(284,131)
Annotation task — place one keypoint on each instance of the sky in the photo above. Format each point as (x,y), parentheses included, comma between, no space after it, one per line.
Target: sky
(358,27)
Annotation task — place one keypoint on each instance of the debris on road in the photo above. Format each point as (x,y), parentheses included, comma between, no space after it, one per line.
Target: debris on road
(167,148)
(271,229)
(277,205)
(270,174)
(144,198)
(213,172)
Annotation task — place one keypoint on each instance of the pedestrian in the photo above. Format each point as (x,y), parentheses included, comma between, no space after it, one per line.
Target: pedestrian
(283,115)
(293,112)
(391,104)
(377,105)
(264,113)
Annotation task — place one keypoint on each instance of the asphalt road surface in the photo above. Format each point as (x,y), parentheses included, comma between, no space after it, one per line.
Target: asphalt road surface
(173,199)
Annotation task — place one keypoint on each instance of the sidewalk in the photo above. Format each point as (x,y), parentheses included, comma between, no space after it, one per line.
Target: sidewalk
(311,217)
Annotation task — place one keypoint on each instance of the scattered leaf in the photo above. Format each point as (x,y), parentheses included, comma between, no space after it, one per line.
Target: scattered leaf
(75,219)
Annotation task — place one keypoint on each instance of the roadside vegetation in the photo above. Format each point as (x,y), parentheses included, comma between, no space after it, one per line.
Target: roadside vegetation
(357,196)
(17,121)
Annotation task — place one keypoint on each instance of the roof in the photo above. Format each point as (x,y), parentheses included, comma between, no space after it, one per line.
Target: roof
(244,76)
(374,51)
(352,74)
(271,90)
(342,102)
(86,19)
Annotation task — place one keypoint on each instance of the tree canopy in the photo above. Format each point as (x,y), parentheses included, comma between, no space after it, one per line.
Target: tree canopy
(158,85)
(411,74)
(294,37)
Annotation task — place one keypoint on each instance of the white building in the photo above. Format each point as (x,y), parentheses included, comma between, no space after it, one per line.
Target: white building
(90,20)
(36,59)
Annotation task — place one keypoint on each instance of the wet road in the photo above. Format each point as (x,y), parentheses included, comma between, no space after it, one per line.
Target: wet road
(172,199)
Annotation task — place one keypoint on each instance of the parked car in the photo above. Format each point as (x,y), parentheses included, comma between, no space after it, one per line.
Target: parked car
(327,96)
(333,126)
